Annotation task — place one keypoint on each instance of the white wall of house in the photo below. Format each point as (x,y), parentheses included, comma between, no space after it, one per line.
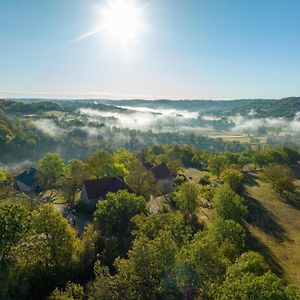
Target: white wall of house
(84,196)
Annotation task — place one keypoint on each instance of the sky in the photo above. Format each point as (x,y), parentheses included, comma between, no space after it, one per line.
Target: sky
(176,49)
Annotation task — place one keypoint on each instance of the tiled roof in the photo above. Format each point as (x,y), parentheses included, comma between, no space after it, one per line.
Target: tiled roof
(98,188)
(161,171)
(28,177)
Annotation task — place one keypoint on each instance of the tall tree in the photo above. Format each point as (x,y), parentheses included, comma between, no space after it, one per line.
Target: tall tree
(51,169)
(280,177)
(140,180)
(58,237)
(216,165)
(103,164)
(146,272)
(233,178)
(260,159)
(76,173)
(250,278)
(14,225)
(187,198)
(291,156)
(228,205)
(113,217)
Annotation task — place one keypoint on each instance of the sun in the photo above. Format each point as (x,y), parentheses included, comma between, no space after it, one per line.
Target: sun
(122,20)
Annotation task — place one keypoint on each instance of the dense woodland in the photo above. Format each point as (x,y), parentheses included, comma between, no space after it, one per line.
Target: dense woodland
(126,252)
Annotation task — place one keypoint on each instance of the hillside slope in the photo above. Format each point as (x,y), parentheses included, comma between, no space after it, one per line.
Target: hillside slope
(274,225)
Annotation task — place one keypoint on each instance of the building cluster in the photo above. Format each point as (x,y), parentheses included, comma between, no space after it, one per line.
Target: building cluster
(96,189)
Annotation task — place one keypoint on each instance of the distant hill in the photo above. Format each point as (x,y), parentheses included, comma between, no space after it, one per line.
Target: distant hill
(261,108)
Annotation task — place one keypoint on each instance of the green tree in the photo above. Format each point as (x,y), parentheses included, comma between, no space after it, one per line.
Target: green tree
(6,135)
(233,178)
(280,177)
(187,198)
(104,286)
(228,205)
(51,169)
(90,244)
(140,180)
(198,264)
(248,262)
(103,164)
(76,173)
(275,157)
(59,239)
(113,217)
(146,272)
(204,260)
(250,278)
(150,226)
(14,226)
(259,159)
(216,165)
(123,157)
(3,176)
(47,256)
(291,156)
(72,291)
(225,232)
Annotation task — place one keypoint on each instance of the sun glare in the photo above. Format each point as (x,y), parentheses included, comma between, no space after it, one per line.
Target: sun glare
(122,20)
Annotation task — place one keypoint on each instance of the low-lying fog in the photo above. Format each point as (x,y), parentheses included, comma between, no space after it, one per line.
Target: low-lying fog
(164,120)
(145,118)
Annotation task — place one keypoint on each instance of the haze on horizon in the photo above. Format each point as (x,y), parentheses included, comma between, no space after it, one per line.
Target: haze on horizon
(150,49)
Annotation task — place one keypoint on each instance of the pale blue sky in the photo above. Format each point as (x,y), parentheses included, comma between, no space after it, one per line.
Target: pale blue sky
(188,49)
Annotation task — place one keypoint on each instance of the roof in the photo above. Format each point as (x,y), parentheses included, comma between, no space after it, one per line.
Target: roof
(148,165)
(28,177)
(98,188)
(161,171)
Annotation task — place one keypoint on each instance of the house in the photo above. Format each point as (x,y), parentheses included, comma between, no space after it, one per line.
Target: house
(27,181)
(163,177)
(97,189)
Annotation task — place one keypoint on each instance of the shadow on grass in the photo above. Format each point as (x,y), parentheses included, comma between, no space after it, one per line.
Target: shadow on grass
(296,171)
(293,200)
(254,244)
(251,179)
(260,217)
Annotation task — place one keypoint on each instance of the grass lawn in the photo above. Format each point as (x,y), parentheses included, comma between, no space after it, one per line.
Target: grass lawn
(274,225)
(59,201)
(57,197)
(195,174)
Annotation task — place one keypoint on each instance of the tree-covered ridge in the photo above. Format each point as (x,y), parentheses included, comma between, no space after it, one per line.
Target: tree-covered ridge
(286,107)
(17,107)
